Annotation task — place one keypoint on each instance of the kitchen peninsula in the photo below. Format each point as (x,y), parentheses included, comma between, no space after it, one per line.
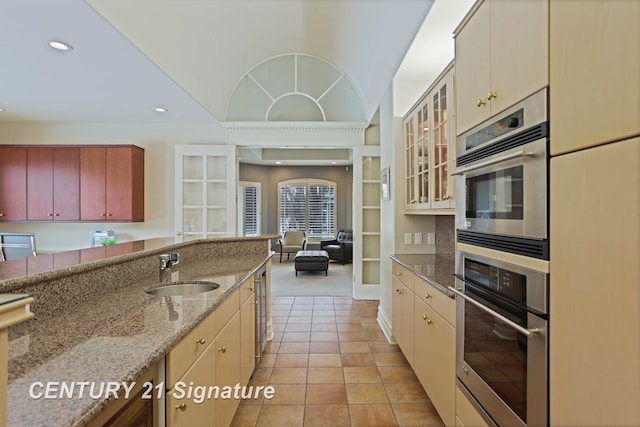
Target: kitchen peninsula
(94,322)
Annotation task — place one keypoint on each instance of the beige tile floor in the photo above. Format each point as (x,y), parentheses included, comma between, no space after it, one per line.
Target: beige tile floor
(331,365)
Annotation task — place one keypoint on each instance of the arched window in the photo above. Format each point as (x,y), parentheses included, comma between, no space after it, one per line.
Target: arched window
(307,205)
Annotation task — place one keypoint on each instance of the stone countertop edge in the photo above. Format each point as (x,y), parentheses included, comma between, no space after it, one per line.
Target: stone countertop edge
(81,413)
(13,284)
(444,267)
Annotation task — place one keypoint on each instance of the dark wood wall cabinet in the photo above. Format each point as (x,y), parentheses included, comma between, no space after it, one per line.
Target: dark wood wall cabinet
(72,183)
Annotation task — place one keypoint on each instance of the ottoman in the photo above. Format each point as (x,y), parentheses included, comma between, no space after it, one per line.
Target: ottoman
(312,261)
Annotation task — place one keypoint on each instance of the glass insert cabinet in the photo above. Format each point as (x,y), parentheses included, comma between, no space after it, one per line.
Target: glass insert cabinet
(429,149)
(205,191)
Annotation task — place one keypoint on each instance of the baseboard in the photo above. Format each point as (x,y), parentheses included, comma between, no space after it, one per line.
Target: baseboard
(384,324)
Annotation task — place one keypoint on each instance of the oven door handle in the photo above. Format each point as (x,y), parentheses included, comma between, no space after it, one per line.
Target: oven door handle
(510,323)
(521,153)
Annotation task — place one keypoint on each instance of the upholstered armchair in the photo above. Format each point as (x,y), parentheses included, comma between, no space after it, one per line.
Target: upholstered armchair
(340,248)
(292,242)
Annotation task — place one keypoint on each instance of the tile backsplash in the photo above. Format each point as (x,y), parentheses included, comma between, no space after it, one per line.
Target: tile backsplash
(445,236)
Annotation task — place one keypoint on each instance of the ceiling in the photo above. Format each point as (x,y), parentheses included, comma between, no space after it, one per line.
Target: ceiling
(130,56)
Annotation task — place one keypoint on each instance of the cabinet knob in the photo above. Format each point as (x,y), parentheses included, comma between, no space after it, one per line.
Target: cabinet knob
(427,296)
(256,302)
(222,349)
(103,214)
(250,289)
(201,341)
(399,291)
(491,95)
(428,319)
(1,214)
(56,214)
(182,407)
(399,273)
(50,214)
(108,214)
(480,102)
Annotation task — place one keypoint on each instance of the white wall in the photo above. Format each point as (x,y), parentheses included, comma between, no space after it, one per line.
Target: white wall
(158,142)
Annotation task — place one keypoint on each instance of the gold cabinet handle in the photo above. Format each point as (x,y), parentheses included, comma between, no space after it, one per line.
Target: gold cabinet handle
(250,289)
(399,273)
(182,407)
(222,349)
(109,214)
(427,296)
(447,197)
(480,102)
(399,291)
(1,214)
(428,319)
(50,214)
(491,95)
(201,341)
(255,302)
(55,214)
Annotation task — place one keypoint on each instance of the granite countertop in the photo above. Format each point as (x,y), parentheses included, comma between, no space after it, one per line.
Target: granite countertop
(115,336)
(435,269)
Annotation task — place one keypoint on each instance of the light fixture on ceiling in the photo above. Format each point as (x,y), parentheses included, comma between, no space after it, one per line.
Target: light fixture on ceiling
(1,110)
(334,163)
(161,109)
(278,163)
(58,45)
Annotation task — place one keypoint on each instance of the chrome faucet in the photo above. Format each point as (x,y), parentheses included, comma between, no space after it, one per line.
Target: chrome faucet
(166,262)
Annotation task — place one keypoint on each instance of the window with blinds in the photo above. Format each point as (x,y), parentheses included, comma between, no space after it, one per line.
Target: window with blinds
(308,205)
(249,209)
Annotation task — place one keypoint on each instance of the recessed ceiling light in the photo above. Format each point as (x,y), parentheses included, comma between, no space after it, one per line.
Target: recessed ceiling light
(58,45)
(334,163)
(278,163)
(1,110)
(161,109)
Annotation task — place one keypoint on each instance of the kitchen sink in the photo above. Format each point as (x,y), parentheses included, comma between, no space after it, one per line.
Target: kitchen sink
(184,288)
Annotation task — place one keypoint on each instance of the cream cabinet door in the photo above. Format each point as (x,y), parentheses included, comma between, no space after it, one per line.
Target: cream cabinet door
(402,318)
(205,191)
(519,51)
(594,73)
(228,357)
(594,300)
(182,411)
(247,333)
(472,50)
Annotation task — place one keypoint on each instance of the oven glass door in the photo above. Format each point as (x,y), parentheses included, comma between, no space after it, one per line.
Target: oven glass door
(495,352)
(496,195)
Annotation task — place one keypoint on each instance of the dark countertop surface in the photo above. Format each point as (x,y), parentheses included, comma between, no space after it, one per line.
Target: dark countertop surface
(113,336)
(435,269)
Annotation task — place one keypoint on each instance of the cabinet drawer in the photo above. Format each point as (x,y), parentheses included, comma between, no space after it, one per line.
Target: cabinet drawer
(226,310)
(441,303)
(403,274)
(189,349)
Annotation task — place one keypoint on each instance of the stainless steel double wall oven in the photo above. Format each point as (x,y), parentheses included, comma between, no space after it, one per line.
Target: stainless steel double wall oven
(502,307)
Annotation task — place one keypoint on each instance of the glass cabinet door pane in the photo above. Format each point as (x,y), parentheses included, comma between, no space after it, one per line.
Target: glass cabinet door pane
(192,167)
(371,220)
(216,167)
(192,194)
(216,220)
(216,193)
(192,220)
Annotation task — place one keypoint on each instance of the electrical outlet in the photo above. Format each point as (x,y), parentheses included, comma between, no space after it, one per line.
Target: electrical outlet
(408,239)
(431,238)
(417,238)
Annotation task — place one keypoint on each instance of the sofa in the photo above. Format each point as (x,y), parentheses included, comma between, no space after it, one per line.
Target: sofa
(340,248)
